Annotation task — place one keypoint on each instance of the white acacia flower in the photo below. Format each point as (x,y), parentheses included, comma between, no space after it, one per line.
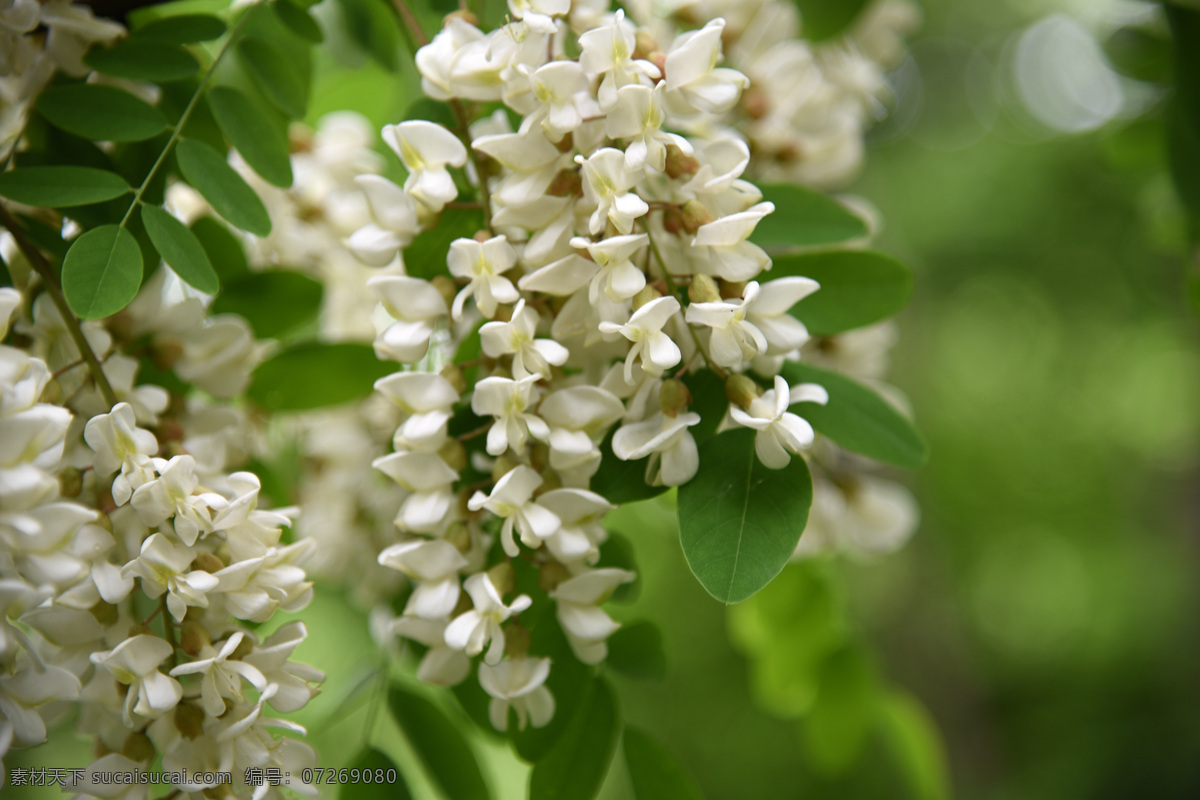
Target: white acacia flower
(164,567)
(23,693)
(483,265)
(254,588)
(609,184)
(779,430)
(617,277)
(442,665)
(395,223)
(434,565)
(578,417)
(560,278)
(511,403)
(428,399)
(554,88)
(530,162)
(34,436)
(135,662)
(730,255)
(295,683)
(667,440)
(581,513)
(768,311)
(539,14)
(512,500)
(471,631)
(656,350)
(219,356)
(430,480)
(516,338)
(222,676)
(426,149)
(578,600)
(170,495)
(733,340)
(519,684)
(638,115)
(692,77)
(415,305)
(22,379)
(120,444)
(608,51)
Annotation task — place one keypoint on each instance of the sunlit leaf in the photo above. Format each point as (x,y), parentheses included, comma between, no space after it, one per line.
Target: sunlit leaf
(230,196)
(102,271)
(912,736)
(845,712)
(180,248)
(102,113)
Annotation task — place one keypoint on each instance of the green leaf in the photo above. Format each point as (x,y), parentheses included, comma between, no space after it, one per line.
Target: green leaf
(374,28)
(739,521)
(708,400)
(576,766)
(804,217)
(225,252)
(636,651)
(180,248)
(916,745)
(825,19)
(299,21)
(425,257)
(617,551)
(654,771)
(858,419)
(1183,113)
(858,288)
(314,375)
(569,683)
(61,187)
(183,29)
(844,713)
(275,303)
(263,144)
(373,761)
(622,482)
(102,272)
(208,173)
(102,113)
(438,744)
(143,60)
(274,76)
(1140,53)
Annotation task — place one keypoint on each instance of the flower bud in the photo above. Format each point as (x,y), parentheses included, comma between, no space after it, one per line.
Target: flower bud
(516,640)
(645,45)
(659,60)
(672,221)
(503,577)
(454,455)
(53,393)
(567,183)
(459,536)
(455,377)
(755,103)
(647,294)
(138,747)
(445,287)
(741,391)
(539,456)
(70,482)
(695,215)
(567,143)
(243,649)
(139,630)
(193,637)
(503,465)
(703,290)
(464,14)
(680,164)
(674,397)
(208,562)
(105,613)
(164,354)
(551,574)
(733,290)
(189,720)
(463,605)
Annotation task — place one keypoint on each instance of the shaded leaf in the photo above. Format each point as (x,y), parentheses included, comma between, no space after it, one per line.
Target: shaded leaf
(916,745)
(262,144)
(425,257)
(636,651)
(858,419)
(375,762)
(622,482)
(183,29)
(299,21)
(568,682)
(102,272)
(180,248)
(225,252)
(274,303)
(708,400)
(825,19)
(804,217)
(374,28)
(102,113)
(844,713)
(739,522)
(654,771)
(575,767)
(143,60)
(439,745)
(273,75)
(314,375)
(61,187)
(230,196)
(858,288)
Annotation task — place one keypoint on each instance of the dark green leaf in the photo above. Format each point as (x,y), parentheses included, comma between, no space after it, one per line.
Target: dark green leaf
(739,522)
(858,288)
(61,187)
(263,144)
(208,173)
(274,76)
(432,110)
(225,252)
(1183,114)
(617,551)
(48,239)
(274,303)
(654,771)
(636,651)
(568,683)
(372,763)
(180,248)
(804,217)
(913,739)
(316,375)
(708,400)
(1140,53)
(439,745)
(183,29)
(575,767)
(102,272)
(845,711)
(620,481)
(100,112)
(858,419)
(426,256)
(374,28)
(143,60)
(824,19)
(298,20)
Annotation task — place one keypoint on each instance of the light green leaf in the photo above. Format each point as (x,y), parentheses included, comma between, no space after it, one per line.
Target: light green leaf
(143,60)
(575,767)
(636,651)
(439,745)
(739,521)
(858,419)
(912,736)
(845,712)
(224,250)
(825,19)
(102,272)
(183,29)
(61,187)
(262,143)
(373,763)
(180,248)
(804,217)
(293,300)
(654,771)
(101,113)
(208,173)
(299,21)
(858,288)
(272,73)
(314,375)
